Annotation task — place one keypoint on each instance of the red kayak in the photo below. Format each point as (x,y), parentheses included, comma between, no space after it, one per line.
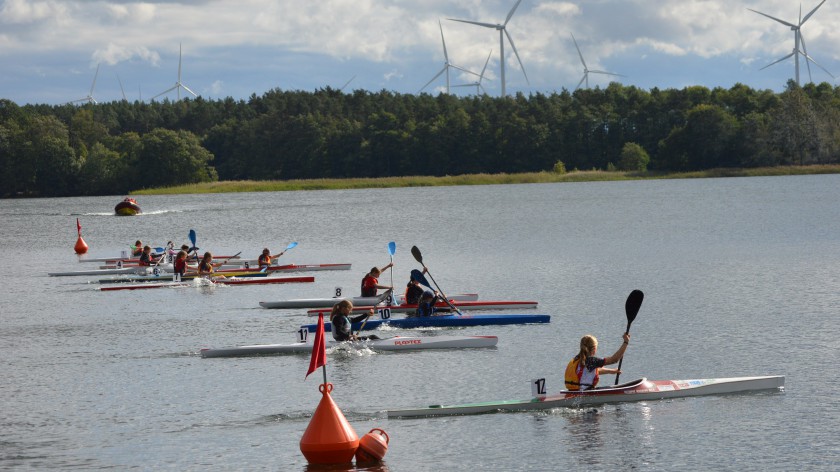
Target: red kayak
(208,282)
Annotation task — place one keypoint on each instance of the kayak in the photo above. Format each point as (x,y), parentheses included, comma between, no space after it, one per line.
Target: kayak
(124,270)
(168,277)
(203,282)
(395,343)
(445,321)
(476,305)
(329,302)
(251,264)
(638,390)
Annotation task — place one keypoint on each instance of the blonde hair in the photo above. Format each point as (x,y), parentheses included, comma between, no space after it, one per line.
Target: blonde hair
(182,254)
(588,344)
(336,309)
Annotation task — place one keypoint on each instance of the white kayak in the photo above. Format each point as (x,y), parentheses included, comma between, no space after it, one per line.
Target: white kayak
(117,271)
(637,390)
(357,301)
(395,343)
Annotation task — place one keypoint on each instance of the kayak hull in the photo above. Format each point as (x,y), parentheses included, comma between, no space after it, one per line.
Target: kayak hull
(396,343)
(329,302)
(638,390)
(476,305)
(443,321)
(206,282)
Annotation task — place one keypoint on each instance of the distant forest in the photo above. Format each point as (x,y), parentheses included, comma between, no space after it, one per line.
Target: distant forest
(114,148)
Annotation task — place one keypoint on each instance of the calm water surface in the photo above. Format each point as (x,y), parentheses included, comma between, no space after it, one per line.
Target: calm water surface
(740,277)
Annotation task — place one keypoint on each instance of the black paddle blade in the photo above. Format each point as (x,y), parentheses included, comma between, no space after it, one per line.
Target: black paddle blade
(416,253)
(632,305)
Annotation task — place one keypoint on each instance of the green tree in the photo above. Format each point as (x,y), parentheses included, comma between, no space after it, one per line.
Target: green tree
(633,158)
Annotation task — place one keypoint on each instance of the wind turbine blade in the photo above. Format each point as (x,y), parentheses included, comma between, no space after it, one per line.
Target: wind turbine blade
(165,92)
(774,18)
(606,73)
(94,80)
(805,54)
(779,60)
(811,59)
(512,10)
(463,70)
(513,46)
(809,14)
(445,55)
(581,81)
(485,66)
(433,78)
(121,86)
(179,62)
(486,25)
(347,83)
(188,90)
(579,53)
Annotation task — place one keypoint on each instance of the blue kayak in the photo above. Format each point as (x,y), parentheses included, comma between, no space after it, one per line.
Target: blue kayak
(443,321)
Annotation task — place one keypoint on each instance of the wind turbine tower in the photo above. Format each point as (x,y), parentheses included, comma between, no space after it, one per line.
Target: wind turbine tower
(797,40)
(178,85)
(446,64)
(586,70)
(502,29)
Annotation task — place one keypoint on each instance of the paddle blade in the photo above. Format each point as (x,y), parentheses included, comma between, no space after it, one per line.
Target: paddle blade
(392,248)
(291,245)
(632,305)
(416,253)
(192,236)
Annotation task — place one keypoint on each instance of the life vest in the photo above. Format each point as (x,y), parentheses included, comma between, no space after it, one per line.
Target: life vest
(205,267)
(342,327)
(577,376)
(145,260)
(264,260)
(369,284)
(179,266)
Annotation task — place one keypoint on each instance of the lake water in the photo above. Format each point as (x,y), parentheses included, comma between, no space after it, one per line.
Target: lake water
(740,277)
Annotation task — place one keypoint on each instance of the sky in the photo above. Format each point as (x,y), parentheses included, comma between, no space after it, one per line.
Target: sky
(50,49)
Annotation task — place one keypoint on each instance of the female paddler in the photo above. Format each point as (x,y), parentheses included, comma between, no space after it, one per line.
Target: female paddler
(583,371)
(342,324)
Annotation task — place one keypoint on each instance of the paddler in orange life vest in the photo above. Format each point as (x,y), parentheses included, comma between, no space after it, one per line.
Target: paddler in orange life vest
(265,258)
(370,282)
(206,266)
(179,267)
(583,371)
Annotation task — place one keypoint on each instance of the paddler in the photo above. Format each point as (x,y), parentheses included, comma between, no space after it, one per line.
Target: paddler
(426,304)
(265,258)
(415,287)
(137,249)
(342,324)
(206,265)
(370,282)
(146,257)
(179,266)
(583,371)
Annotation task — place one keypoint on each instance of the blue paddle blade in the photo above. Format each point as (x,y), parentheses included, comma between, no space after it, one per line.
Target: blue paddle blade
(291,245)
(392,248)
(192,236)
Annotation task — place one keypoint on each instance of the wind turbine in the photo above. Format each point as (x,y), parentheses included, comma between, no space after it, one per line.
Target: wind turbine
(89,97)
(477,84)
(346,84)
(586,70)
(446,64)
(121,87)
(502,28)
(178,85)
(797,40)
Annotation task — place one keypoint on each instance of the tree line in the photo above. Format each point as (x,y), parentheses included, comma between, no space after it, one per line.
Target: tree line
(113,148)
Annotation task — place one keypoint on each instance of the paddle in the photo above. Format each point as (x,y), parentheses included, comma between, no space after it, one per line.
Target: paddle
(392,249)
(192,240)
(419,257)
(290,246)
(631,309)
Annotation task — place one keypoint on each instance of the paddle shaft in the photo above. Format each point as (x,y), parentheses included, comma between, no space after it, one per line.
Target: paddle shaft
(631,309)
(622,357)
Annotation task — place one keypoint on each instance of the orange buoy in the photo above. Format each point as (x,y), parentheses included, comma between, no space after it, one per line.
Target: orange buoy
(81,246)
(372,447)
(329,438)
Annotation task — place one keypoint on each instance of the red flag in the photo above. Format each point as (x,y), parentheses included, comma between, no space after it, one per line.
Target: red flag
(319,348)
(78,227)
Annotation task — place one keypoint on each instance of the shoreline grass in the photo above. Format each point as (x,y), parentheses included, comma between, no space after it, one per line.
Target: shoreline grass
(233,186)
